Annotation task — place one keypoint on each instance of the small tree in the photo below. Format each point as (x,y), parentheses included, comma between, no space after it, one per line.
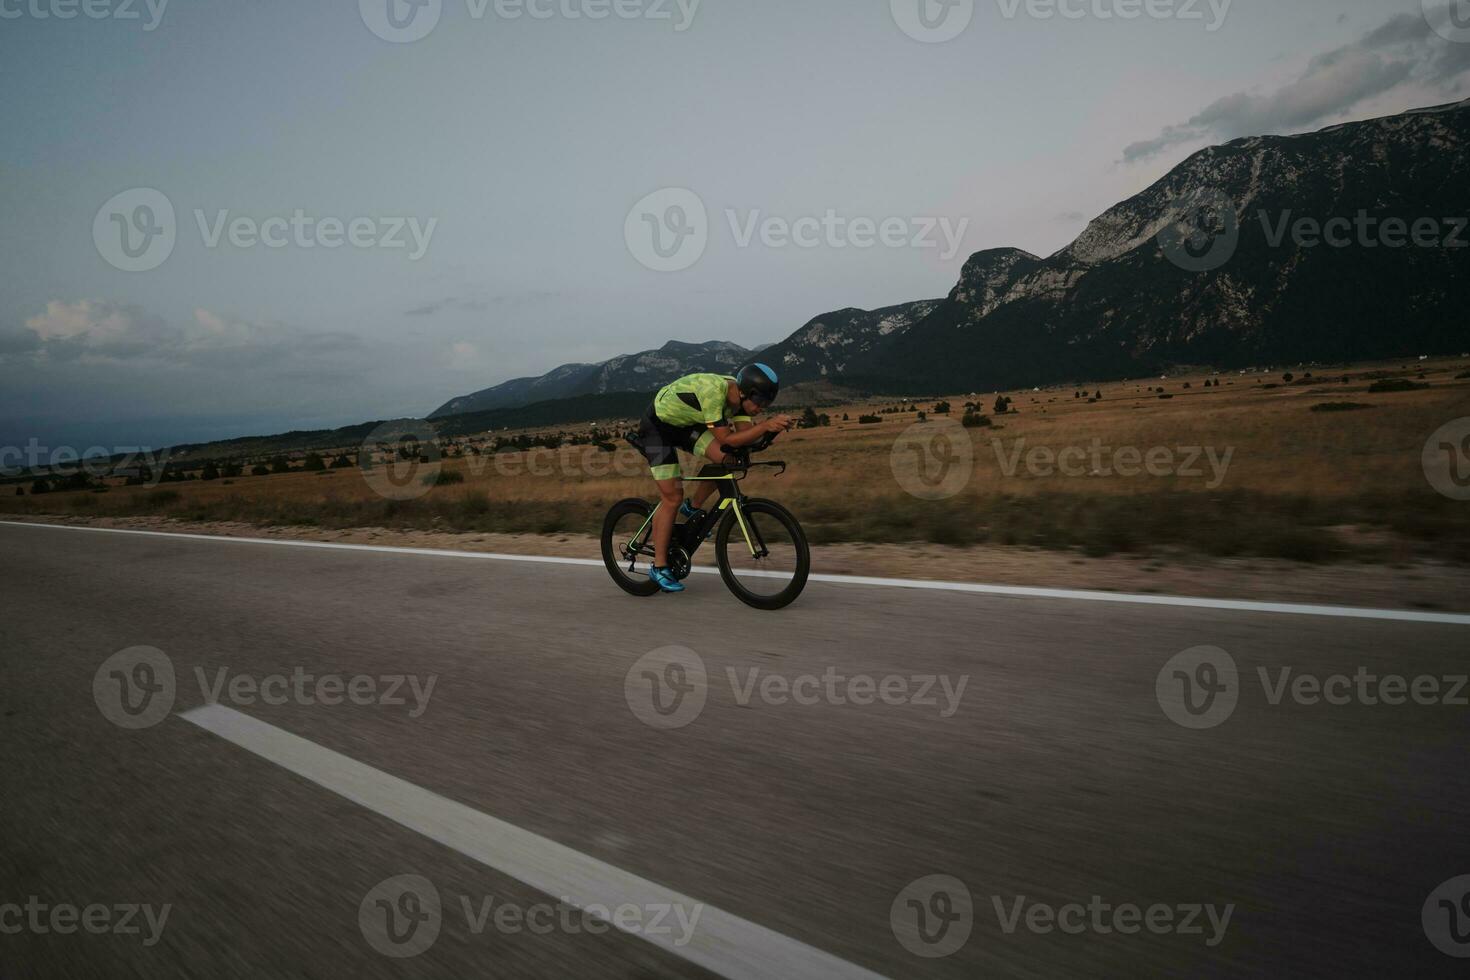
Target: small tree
(1098,396)
(342,463)
(1288,377)
(314,463)
(1002,405)
(211,471)
(40,486)
(280,465)
(941,408)
(260,469)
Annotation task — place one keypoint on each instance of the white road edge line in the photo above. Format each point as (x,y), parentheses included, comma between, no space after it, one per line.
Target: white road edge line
(1013,591)
(722,943)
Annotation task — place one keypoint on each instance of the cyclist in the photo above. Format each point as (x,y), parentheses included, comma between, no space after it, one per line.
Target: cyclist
(697,414)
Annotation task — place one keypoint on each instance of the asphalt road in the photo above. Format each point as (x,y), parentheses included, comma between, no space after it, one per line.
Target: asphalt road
(1093,835)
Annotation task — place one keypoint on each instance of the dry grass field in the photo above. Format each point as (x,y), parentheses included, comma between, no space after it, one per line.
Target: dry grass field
(1243,467)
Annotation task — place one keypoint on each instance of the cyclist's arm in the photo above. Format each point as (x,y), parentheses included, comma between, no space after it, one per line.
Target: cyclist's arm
(743,437)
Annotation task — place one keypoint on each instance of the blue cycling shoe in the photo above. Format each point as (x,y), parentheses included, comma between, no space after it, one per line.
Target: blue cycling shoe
(665,580)
(689,512)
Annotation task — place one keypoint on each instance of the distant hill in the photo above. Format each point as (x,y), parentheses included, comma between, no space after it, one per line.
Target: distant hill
(647,371)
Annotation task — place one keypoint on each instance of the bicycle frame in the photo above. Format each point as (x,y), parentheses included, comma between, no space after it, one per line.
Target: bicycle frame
(692,541)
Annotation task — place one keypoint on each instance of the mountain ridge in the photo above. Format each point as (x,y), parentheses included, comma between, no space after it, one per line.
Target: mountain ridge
(1128,296)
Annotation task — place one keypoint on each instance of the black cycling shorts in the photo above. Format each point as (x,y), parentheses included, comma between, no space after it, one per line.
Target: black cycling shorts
(662,441)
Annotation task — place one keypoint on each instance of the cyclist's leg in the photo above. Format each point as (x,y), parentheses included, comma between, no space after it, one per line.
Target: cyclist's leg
(660,448)
(671,495)
(708,447)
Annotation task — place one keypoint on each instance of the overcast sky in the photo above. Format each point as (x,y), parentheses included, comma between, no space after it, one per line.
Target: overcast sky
(455,209)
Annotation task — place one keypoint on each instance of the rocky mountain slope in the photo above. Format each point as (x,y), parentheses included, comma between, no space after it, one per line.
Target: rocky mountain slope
(1229,261)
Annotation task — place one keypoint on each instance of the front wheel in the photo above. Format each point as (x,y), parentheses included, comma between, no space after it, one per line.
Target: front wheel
(627,546)
(774,575)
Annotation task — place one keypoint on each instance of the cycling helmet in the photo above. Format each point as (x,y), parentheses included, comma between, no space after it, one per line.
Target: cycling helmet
(758,383)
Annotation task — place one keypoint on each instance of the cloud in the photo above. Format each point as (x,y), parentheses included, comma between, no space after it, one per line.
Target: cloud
(101,331)
(452,303)
(1404,48)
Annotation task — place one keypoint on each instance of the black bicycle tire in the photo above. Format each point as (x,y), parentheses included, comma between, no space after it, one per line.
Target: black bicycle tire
(612,561)
(793,590)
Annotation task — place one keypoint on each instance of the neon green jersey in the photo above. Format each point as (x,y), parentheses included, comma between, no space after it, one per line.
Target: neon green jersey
(699,399)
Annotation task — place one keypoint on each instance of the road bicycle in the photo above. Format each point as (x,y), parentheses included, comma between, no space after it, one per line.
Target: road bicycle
(761,550)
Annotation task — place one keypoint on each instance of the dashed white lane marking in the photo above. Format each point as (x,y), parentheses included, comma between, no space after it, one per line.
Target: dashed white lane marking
(1014,591)
(722,943)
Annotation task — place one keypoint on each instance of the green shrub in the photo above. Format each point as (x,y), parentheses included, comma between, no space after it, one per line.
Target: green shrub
(1393,385)
(1340,407)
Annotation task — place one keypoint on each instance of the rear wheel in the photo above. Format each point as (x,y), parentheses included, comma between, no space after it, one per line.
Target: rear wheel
(774,576)
(627,546)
